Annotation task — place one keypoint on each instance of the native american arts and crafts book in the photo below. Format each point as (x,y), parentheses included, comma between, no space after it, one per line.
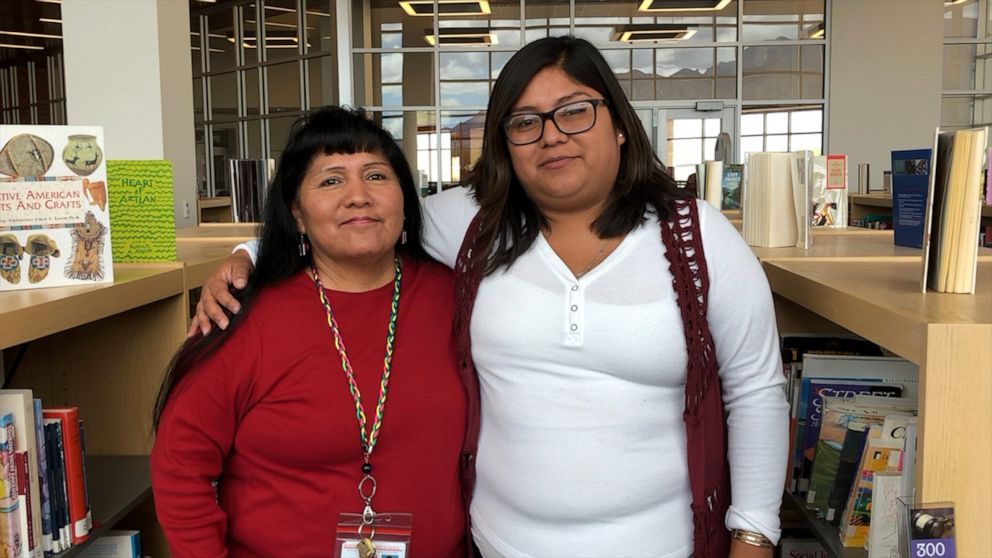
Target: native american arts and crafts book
(953,214)
(54,217)
(141,209)
(910,178)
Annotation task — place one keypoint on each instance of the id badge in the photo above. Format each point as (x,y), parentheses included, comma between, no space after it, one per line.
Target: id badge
(391,536)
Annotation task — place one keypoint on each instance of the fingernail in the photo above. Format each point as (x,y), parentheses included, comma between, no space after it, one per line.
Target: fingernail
(239,283)
(237,308)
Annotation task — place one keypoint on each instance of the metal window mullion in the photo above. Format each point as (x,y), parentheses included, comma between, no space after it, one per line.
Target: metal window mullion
(828,32)
(32,92)
(739,65)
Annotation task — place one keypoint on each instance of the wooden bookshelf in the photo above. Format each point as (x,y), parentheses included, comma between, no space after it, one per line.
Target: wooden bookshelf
(825,533)
(117,485)
(215,210)
(217,231)
(948,335)
(881,204)
(852,244)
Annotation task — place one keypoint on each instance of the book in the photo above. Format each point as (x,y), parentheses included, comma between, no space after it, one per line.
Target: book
(61,540)
(828,176)
(713,186)
(847,468)
(802,193)
(769,205)
(43,491)
(731,186)
(883,452)
(114,544)
(54,218)
(839,415)
(20,403)
(883,536)
(141,209)
(910,180)
(11,538)
(801,548)
(953,213)
(813,394)
(79,517)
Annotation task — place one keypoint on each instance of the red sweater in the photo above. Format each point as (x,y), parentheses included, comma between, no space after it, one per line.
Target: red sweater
(270,413)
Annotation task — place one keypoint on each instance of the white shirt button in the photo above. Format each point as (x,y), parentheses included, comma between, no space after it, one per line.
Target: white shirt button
(574,327)
(574,308)
(575,287)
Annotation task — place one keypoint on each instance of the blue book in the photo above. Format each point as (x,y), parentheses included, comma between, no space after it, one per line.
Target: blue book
(910,182)
(46,508)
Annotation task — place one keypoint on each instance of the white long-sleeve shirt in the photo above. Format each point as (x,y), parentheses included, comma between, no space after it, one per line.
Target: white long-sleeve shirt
(582,450)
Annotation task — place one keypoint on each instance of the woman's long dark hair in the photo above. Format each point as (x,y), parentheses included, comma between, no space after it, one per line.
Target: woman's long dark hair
(330,130)
(510,219)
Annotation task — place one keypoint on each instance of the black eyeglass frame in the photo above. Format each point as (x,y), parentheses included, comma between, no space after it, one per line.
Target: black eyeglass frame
(549,115)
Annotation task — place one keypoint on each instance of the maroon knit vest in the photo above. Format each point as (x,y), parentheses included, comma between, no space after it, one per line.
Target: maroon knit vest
(705,421)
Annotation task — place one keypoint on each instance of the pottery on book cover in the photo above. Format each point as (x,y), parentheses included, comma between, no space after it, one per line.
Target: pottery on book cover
(82,154)
(26,155)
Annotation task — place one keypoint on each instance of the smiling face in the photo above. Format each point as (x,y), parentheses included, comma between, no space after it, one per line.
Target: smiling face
(351,207)
(566,173)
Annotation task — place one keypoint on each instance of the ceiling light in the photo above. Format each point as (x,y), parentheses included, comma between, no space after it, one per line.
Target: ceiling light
(446,8)
(646,32)
(954,2)
(49,20)
(815,31)
(25,47)
(465,36)
(39,35)
(50,1)
(682,5)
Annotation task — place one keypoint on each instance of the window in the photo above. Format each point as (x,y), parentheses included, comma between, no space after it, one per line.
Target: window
(781,130)
(966,96)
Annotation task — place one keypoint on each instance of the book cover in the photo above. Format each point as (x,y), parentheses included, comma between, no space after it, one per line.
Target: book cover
(910,179)
(883,537)
(801,548)
(54,219)
(141,209)
(839,415)
(11,538)
(20,403)
(953,213)
(732,174)
(74,481)
(829,198)
(847,468)
(114,544)
(883,452)
(815,393)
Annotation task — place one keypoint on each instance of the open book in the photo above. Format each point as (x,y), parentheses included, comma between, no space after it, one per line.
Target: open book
(777,197)
(953,214)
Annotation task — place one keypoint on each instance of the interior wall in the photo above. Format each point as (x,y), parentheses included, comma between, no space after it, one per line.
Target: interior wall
(885,79)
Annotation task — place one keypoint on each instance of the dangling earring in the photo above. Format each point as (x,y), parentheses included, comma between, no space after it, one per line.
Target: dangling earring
(304,245)
(403,237)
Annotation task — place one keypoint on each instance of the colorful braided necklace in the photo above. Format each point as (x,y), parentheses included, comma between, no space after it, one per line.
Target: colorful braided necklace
(367,486)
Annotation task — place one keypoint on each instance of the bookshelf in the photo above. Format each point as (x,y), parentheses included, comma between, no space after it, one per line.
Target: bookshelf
(824,532)
(946,335)
(215,210)
(118,485)
(881,204)
(102,348)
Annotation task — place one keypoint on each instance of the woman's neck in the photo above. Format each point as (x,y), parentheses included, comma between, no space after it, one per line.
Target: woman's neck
(355,276)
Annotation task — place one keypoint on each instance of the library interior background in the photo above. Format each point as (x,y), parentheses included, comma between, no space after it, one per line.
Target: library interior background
(211,84)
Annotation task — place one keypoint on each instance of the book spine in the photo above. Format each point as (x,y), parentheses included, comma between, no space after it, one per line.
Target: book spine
(11,538)
(69,419)
(43,489)
(86,477)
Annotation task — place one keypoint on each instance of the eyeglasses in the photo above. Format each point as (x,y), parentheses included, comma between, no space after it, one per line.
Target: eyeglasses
(574,118)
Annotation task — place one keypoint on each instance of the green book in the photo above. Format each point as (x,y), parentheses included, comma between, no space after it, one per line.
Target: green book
(140,200)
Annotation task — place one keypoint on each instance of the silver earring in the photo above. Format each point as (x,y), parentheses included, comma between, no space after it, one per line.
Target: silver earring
(403,237)
(304,245)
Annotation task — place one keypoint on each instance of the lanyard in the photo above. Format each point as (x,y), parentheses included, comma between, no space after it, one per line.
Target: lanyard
(367,486)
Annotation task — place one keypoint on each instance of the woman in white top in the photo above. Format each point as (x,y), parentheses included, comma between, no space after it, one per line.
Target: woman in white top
(577,334)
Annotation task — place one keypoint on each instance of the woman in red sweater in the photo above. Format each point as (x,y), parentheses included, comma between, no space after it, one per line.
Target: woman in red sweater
(276,437)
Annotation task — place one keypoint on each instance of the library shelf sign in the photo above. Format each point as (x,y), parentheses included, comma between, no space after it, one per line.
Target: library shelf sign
(54,218)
